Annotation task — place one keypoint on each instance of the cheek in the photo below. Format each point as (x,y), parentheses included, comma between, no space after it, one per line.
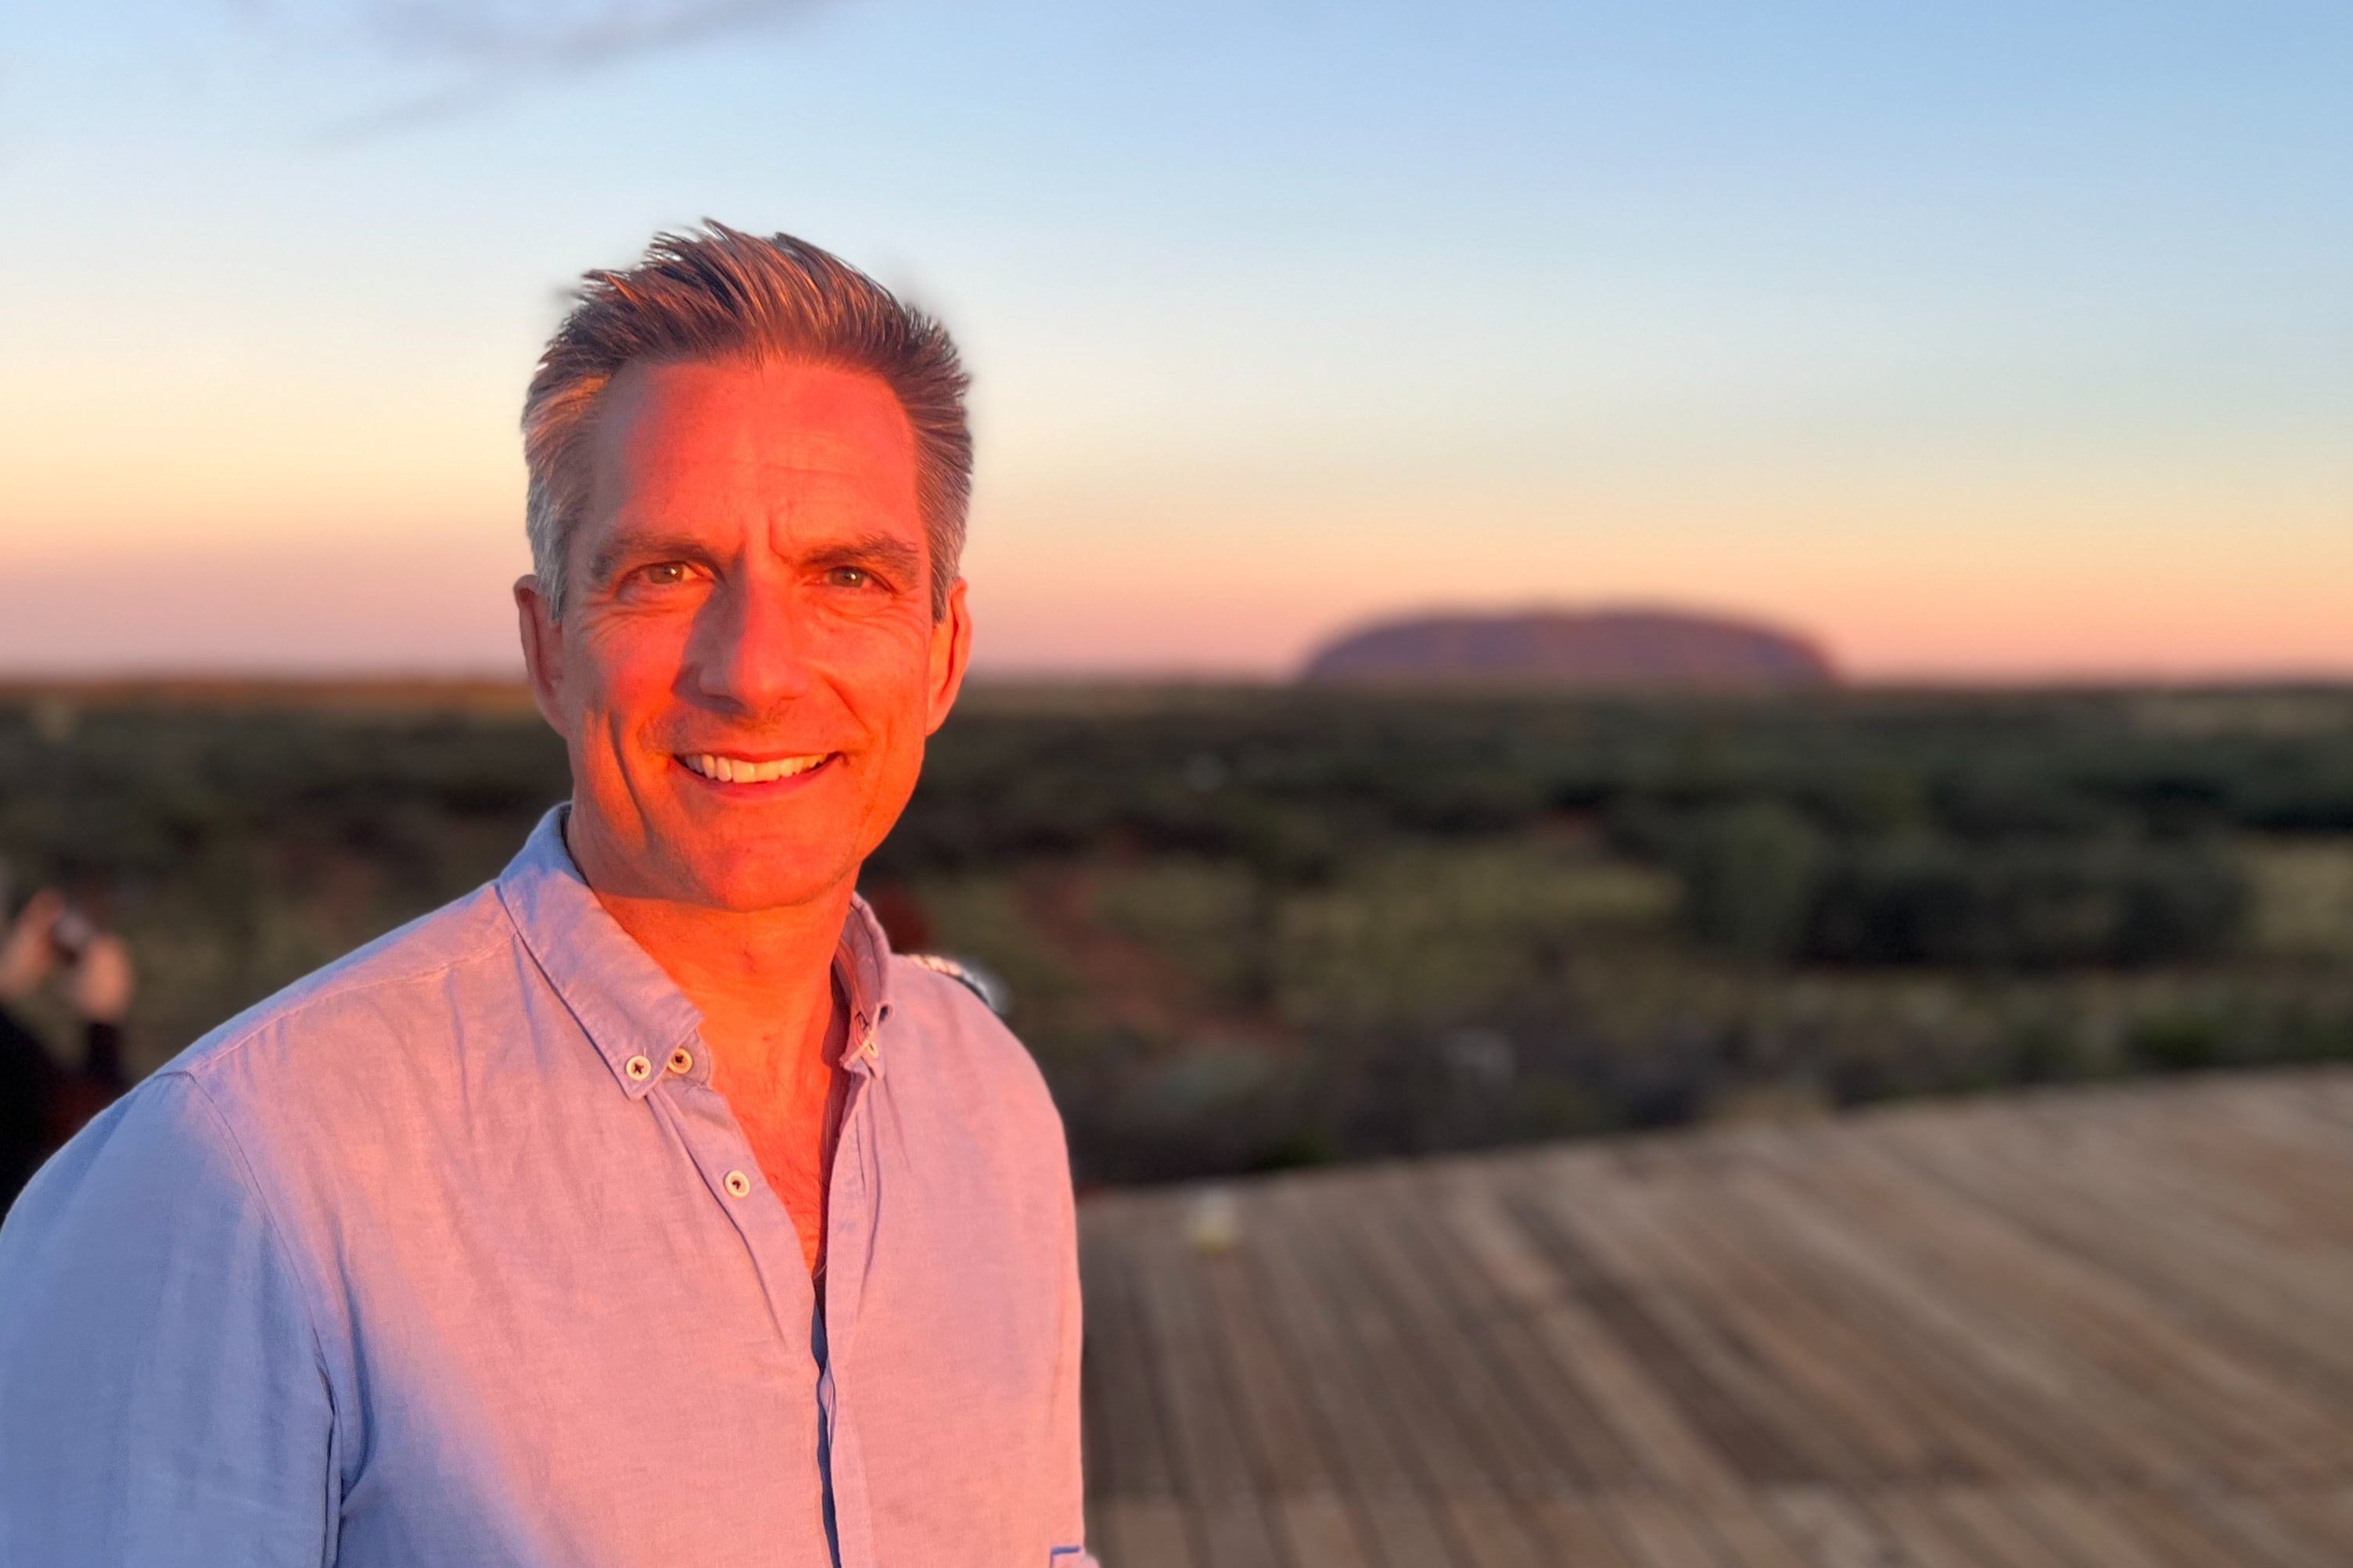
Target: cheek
(903,703)
(880,667)
(629,666)
(906,729)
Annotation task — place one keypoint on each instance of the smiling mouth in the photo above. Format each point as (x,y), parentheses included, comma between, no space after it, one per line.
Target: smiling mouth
(723,769)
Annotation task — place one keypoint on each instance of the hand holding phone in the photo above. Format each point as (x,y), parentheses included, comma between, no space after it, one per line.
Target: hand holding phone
(28,950)
(101,983)
(70,932)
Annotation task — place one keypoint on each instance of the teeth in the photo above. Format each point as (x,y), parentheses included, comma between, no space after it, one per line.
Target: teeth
(743,770)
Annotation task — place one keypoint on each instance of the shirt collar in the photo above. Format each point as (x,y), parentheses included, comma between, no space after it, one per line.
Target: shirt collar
(632,1012)
(863,964)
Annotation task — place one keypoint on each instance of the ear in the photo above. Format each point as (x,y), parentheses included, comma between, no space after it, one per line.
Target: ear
(542,650)
(951,652)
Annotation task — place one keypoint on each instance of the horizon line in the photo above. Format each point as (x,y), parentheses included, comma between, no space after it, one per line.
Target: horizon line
(130,680)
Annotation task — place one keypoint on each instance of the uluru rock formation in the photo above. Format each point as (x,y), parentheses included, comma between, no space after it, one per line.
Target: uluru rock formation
(1623,648)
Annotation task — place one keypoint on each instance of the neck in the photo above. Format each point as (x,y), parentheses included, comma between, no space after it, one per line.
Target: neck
(761,979)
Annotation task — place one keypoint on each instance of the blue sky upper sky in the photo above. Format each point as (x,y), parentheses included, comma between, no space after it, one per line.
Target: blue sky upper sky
(1981,338)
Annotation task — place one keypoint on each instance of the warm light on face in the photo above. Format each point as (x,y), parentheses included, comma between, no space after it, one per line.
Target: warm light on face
(748,666)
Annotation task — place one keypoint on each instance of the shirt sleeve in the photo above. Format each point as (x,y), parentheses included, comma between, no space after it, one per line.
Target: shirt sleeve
(162,1399)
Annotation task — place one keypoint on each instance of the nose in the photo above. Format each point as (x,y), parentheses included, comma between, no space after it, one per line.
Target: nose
(749,650)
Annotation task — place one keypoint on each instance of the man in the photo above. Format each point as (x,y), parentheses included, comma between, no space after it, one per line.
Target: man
(641,1207)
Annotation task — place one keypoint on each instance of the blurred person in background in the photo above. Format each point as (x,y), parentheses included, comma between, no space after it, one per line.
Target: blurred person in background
(643,1206)
(42,1102)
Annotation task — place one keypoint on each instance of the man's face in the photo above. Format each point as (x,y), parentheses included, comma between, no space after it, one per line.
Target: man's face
(747,666)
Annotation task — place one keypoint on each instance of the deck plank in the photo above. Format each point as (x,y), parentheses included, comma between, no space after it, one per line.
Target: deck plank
(1663,1445)
(1932,1538)
(1831,1531)
(1453,1442)
(1579,1448)
(1661,1533)
(2001,1412)
(1674,1354)
(2092,1329)
(1294,1450)
(1322,1533)
(1875,1399)
(1127,1448)
(1460,1372)
(2262,1310)
(1404,1524)
(1747,1535)
(1214,1475)
(1578,1533)
(2084,1530)
(2002,1533)
(2024,1297)
(1814,1440)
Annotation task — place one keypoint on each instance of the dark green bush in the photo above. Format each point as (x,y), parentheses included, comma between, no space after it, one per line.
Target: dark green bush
(2026,906)
(1752,875)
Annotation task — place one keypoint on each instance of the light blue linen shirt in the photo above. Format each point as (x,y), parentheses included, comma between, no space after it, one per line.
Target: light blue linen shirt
(450,1255)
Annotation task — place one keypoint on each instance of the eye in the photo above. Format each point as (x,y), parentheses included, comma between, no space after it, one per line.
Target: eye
(663,573)
(849,577)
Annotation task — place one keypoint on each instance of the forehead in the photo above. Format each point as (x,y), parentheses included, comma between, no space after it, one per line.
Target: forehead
(732,437)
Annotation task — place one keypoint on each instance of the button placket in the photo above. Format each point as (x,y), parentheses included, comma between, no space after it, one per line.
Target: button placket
(848,1237)
(725,1163)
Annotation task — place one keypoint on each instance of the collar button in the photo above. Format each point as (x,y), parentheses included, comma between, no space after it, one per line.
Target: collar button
(639,1069)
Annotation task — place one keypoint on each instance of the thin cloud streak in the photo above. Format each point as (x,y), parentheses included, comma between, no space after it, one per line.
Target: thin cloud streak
(536,36)
(499,49)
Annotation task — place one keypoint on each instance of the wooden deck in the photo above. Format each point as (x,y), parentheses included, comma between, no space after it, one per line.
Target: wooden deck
(2105,1328)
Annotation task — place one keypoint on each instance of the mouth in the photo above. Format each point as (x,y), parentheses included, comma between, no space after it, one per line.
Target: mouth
(719,767)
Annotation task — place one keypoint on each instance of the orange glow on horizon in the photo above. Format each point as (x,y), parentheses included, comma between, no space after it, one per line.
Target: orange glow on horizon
(439,603)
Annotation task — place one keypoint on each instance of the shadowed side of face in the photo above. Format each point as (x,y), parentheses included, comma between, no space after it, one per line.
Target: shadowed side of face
(747,666)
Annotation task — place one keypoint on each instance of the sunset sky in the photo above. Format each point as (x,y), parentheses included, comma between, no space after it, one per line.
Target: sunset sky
(1981,339)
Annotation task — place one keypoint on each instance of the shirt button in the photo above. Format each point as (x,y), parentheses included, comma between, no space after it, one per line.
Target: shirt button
(639,1069)
(737,1184)
(681,1060)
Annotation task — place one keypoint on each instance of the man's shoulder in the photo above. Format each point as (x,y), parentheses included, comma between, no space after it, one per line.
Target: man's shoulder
(398,985)
(943,1012)
(971,976)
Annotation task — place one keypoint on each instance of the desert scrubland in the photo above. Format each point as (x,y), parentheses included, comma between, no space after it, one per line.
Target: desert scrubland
(1252,928)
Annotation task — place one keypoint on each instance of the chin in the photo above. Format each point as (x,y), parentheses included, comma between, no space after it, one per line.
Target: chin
(751,879)
(736,854)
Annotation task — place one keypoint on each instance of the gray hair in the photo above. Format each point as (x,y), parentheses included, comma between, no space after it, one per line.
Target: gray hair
(719,295)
